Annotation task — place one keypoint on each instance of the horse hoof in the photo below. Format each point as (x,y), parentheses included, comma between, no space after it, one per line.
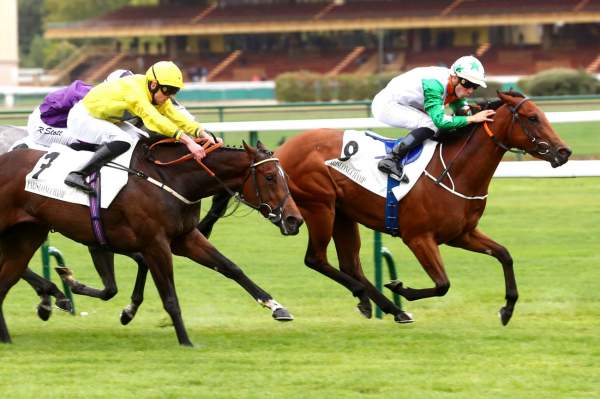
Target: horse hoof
(126,317)
(44,312)
(64,304)
(404,318)
(505,315)
(282,314)
(365,309)
(394,286)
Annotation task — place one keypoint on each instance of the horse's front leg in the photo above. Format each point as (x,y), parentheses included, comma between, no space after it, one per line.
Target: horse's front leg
(217,209)
(476,241)
(197,248)
(427,253)
(104,261)
(160,263)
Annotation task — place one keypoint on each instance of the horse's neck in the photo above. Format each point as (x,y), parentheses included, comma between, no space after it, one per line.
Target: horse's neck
(193,182)
(474,164)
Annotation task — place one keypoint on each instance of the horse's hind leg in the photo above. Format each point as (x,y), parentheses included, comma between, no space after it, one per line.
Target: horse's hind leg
(319,220)
(17,246)
(347,244)
(427,252)
(476,241)
(103,261)
(45,289)
(137,296)
(196,247)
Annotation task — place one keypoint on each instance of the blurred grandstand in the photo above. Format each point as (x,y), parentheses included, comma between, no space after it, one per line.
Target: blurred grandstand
(242,40)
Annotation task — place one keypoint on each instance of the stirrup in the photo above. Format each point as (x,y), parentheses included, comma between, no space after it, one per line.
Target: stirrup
(77,180)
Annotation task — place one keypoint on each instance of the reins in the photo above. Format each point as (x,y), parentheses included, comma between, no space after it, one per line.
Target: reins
(492,136)
(274,214)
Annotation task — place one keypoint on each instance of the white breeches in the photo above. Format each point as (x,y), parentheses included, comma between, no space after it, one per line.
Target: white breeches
(399,115)
(44,134)
(92,130)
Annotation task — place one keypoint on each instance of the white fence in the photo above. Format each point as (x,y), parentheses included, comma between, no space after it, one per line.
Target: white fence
(506,169)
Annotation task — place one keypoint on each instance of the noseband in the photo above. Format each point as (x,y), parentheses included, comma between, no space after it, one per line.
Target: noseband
(540,147)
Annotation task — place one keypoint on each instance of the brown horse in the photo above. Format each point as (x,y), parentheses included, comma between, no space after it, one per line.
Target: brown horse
(148,219)
(431,214)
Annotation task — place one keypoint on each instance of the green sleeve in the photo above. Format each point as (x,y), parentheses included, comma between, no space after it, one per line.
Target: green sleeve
(433,95)
(459,106)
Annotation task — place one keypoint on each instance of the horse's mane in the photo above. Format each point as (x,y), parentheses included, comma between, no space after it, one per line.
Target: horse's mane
(484,104)
(154,138)
(496,103)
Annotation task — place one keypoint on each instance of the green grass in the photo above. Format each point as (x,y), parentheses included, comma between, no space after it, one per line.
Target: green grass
(456,349)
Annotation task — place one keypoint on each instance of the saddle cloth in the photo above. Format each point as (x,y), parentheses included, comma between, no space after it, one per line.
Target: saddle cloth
(361,152)
(48,175)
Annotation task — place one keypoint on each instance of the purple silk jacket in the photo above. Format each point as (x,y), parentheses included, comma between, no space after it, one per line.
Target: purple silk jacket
(56,105)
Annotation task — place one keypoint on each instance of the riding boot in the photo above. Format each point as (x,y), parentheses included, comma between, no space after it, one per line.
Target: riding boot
(390,164)
(104,154)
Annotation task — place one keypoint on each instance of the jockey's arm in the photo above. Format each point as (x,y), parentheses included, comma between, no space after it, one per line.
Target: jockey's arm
(433,103)
(183,122)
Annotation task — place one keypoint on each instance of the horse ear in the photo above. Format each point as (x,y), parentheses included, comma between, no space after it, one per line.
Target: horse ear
(260,146)
(249,149)
(504,97)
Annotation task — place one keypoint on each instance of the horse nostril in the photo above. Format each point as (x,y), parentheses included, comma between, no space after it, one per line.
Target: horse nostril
(293,222)
(564,152)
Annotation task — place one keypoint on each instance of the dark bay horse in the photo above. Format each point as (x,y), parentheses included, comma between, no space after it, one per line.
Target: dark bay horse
(145,218)
(431,214)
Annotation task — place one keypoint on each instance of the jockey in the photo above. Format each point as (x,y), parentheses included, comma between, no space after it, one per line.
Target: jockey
(416,99)
(93,119)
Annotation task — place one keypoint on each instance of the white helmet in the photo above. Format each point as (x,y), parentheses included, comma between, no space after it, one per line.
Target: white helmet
(469,68)
(119,73)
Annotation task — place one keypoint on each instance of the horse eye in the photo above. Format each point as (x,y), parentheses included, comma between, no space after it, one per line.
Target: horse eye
(533,119)
(269,177)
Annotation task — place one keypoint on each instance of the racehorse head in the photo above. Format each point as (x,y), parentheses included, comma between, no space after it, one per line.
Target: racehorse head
(265,188)
(529,130)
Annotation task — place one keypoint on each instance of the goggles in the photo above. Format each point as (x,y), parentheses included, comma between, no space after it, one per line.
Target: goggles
(467,84)
(169,90)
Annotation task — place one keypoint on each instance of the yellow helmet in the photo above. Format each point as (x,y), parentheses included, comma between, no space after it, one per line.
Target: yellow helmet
(166,73)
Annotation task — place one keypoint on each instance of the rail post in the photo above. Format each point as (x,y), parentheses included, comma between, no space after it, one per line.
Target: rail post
(382,252)
(47,252)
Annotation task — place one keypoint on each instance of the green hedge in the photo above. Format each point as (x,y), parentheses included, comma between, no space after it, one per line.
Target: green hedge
(308,86)
(562,81)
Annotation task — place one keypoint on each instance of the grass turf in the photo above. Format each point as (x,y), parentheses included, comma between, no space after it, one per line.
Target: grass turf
(456,349)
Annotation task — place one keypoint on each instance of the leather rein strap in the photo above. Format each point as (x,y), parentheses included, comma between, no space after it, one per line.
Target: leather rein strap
(207,145)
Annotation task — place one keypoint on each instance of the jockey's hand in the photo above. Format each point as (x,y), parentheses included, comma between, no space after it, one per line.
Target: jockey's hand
(210,137)
(194,148)
(482,116)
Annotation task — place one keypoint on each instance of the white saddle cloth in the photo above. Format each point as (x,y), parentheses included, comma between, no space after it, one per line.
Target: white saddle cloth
(365,152)
(48,176)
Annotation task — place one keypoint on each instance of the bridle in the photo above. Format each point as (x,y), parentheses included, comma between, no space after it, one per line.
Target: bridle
(274,214)
(540,147)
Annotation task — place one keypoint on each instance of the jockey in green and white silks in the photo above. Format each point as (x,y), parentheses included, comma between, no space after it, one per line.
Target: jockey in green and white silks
(416,101)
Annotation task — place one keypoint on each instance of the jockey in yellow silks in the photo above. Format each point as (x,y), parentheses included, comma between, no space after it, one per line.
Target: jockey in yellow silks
(95,119)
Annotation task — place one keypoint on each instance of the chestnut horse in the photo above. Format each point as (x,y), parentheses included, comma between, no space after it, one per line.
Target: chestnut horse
(153,220)
(436,211)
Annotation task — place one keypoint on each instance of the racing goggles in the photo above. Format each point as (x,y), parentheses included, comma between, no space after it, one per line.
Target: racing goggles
(467,84)
(169,90)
